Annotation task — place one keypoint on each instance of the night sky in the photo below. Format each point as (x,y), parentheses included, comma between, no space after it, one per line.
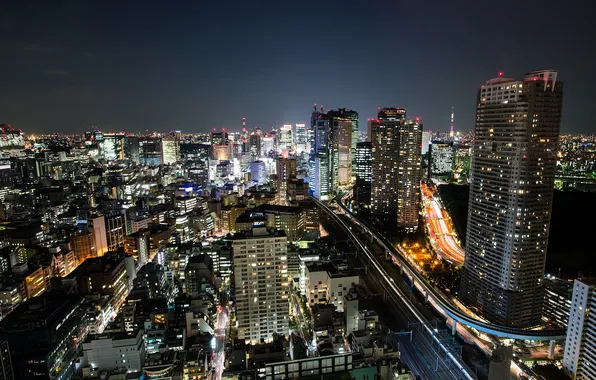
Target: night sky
(65,66)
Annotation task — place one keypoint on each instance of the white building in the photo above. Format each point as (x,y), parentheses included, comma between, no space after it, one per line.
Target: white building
(442,158)
(327,284)
(580,345)
(261,275)
(286,138)
(121,350)
(426,136)
(170,149)
(301,139)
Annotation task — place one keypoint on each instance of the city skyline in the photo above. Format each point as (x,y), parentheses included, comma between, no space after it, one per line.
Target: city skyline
(183,68)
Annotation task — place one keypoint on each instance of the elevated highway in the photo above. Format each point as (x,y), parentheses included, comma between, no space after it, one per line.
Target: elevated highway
(439,301)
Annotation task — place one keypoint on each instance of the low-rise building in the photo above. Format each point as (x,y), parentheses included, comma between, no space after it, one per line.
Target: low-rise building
(115,351)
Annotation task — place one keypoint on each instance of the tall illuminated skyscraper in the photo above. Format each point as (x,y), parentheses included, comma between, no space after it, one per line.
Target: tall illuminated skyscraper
(363,172)
(319,170)
(261,275)
(396,167)
(286,138)
(170,150)
(451,126)
(344,137)
(301,139)
(511,192)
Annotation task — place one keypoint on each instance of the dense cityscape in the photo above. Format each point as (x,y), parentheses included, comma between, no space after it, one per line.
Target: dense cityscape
(306,251)
(176,202)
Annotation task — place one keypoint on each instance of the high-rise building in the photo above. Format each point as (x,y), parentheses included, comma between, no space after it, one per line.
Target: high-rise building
(363,172)
(301,139)
(511,192)
(286,170)
(170,149)
(320,156)
(579,358)
(150,151)
(286,138)
(426,138)
(344,137)
(260,259)
(396,166)
(112,146)
(409,173)
(442,158)
(255,140)
(258,173)
(131,149)
(6,371)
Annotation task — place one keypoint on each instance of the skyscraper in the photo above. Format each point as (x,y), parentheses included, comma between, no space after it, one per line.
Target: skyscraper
(513,172)
(344,137)
(579,358)
(396,166)
(260,262)
(363,172)
(301,139)
(170,150)
(286,170)
(320,155)
(286,138)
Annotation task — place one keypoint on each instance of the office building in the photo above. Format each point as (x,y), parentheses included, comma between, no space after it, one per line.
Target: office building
(260,259)
(106,275)
(254,142)
(511,192)
(287,218)
(41,332)
(442,158)
(301,139)
(396,167)
(112,146)
(97,227)
(170,149)
(286,170)
(258,173)
(344,137)
(363,171)
(6,371)
(150,153)
(115,230)
(319,170)
(83,245)
(579,358)
(286,138)
(115,350)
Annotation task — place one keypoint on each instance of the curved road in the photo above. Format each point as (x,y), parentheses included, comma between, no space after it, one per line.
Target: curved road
(441,230)
(442,303)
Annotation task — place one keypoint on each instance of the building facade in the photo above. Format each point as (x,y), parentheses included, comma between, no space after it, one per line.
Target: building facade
(344,136)
(579,359)
(363,172)
(511,191)
(260,259)
(396,167)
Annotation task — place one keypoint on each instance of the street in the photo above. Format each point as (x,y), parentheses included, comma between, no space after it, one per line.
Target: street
(440,228)
(219,353)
